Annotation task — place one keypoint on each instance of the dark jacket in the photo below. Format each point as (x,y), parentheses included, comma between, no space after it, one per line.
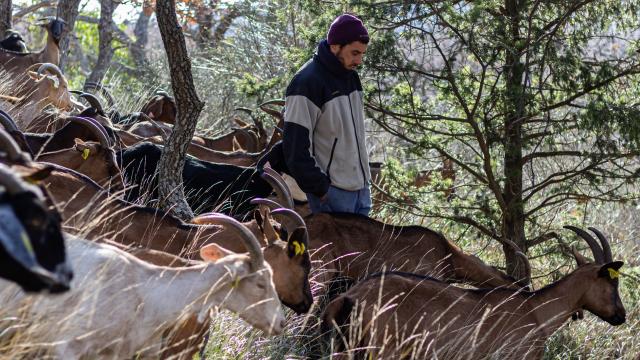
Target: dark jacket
(324,136)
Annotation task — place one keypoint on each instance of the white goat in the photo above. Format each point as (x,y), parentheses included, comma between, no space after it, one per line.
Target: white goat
(119,306)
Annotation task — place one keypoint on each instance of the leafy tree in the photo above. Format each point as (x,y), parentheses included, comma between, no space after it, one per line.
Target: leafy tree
(533,101)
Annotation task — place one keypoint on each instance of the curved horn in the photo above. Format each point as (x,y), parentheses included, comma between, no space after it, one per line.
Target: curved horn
(93,101)
(281,190)
(163,93)
(269,203)
(296,220)
(248,239)
(92,85)
(52,68)
(95,127)
(7,122)
(279,102)
(276,175)
(593,244)
(608,257)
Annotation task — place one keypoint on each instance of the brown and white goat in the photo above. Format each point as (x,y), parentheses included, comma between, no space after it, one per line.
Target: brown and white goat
(403,315)
(143,300)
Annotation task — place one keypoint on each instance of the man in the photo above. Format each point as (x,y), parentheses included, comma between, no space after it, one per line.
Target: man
(324,140)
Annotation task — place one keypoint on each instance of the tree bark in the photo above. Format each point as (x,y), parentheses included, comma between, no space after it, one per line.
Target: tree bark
(513,218)
(67,11)
(105,38)
(141,31)
(5,16)
(170,189)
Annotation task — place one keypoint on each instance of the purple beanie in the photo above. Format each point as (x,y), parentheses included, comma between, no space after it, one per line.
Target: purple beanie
(345,29)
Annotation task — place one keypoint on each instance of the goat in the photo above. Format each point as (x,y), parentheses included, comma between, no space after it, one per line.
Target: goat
(32,249)
(17,63)
(351,245)
(144,299)
(207,184)
(96,160)
(45,87)
(444,319)
(186,337)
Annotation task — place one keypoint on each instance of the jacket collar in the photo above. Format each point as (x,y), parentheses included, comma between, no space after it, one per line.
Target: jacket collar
(330,61)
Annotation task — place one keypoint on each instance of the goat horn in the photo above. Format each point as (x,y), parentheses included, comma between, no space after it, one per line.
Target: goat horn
(93,101)
(110,100)
(280,188)
(95,127)
(7,122)
(51,68)
(276,175)
(608,257)
(248,239)
(593,244)
(279,102)
(270,203)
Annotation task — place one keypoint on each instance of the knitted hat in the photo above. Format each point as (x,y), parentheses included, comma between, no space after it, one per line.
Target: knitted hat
(345,29)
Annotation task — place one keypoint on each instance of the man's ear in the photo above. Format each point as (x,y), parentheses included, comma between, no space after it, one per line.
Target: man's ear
(296,244)
(214,252)
(610,270)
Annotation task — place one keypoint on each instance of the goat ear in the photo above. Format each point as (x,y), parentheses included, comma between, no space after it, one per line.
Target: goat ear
(38,175)
(296,245)
(214,252)
(240,122)
(610,270)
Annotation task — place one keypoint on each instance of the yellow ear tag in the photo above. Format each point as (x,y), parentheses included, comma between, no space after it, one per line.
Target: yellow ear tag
(613,274)
(27,243)
(85,153)
(235,283)
(299,248)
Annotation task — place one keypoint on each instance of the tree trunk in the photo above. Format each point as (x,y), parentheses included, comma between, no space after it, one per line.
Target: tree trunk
(105,37)
(67,11)
(170,190)
(141,31)
(5,16)
(513,217)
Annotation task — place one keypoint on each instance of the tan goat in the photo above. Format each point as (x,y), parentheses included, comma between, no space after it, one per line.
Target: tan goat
(411,316)
(45,86)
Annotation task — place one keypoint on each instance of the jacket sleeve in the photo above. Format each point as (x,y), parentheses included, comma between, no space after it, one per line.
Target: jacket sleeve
(300,115)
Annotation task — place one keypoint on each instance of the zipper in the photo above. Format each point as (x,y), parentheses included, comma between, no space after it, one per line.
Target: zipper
(355,132)
(333,149)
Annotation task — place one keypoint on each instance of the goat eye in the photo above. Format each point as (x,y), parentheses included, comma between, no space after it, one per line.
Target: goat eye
(261,286)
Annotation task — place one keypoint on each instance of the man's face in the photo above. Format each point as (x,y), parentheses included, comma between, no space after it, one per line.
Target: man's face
(350,55)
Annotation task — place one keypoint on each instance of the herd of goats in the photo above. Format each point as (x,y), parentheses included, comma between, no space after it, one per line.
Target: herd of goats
(90,271)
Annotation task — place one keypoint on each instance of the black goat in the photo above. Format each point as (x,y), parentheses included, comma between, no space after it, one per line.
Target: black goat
(32,251)
(208,186)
